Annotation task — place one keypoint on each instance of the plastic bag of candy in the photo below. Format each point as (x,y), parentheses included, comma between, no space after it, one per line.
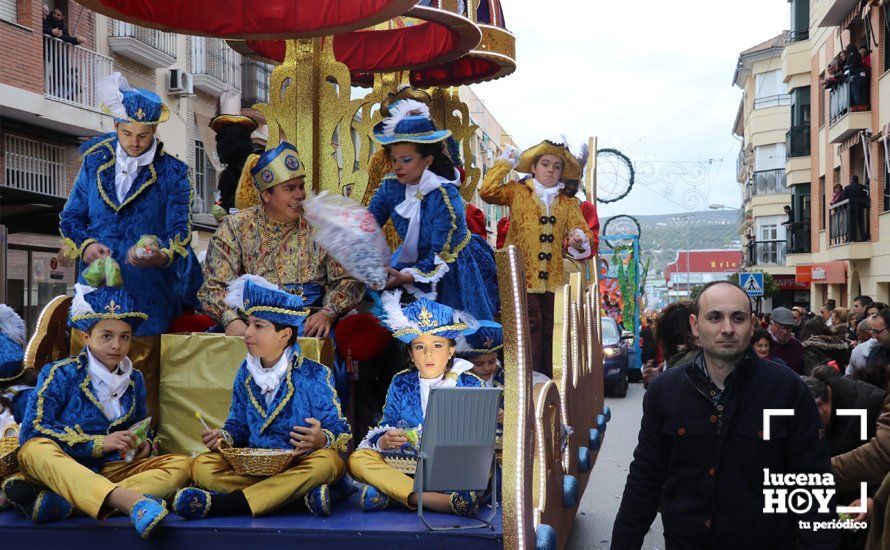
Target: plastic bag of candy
(140,430)
(146,246)
(351,236)
(103,272)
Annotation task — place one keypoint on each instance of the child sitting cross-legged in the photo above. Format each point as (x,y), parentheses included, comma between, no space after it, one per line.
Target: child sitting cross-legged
(280,400)
(78,449)
(431,330)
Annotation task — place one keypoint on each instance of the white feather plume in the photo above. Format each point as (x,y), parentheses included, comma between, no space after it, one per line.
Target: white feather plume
(12,325)
(467,319)
(235,296)
(462,345)
(401,109)
(79,305)
(111,95)
(394,317)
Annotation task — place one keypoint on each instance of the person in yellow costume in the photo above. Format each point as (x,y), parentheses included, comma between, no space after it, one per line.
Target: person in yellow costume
(542,220)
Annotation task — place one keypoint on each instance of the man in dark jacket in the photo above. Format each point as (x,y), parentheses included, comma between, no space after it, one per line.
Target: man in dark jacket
(702,452)
(54,25)
(857,196)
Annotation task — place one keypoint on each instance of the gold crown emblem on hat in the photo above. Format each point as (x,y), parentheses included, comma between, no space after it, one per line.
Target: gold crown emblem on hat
(113,307)
(426,319)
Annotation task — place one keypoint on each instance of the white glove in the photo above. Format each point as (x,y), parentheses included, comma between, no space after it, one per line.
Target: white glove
(511,155)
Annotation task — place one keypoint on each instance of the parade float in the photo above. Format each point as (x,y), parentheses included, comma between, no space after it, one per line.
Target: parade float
(552,431)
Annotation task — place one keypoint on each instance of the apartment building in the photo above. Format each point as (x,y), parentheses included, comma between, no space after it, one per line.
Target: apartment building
(763,125)
(845,139)
(487,144)
(48,106)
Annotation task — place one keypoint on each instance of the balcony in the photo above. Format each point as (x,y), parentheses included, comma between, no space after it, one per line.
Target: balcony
(849,109)
(769,182)
(848,231)
(780,100)
(149,47)
(831,13)
(798,36)
(741,166)
(215,66)
(34,166)
(798,237)
(766,253)
(72,73)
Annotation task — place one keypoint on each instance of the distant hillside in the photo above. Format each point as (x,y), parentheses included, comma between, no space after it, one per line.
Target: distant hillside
(663,235)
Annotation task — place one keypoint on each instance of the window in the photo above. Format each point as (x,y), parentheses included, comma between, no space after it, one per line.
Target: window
(770,90)
(823,209)
(800,20)
(204,181)
(885,34)
(34,166)
(884,161)
(8,10)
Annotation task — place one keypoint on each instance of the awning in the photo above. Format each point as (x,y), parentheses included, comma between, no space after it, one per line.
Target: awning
(26,211)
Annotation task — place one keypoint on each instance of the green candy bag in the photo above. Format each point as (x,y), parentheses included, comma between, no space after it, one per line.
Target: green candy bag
(103,272)
(140,430)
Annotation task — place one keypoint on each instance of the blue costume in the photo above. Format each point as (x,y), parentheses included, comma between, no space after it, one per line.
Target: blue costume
(268,403)
(488,338)
(406,401)
(12,337)
(156,203)
(449,264)
(79,403)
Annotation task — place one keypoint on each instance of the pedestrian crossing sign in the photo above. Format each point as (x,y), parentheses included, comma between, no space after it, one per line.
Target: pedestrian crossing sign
(751,283)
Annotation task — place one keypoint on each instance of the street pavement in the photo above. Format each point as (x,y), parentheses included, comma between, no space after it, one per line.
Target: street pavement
(596,514)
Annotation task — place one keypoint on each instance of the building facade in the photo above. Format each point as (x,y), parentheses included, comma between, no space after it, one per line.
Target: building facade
(694,268)
(845,139)
(764,126)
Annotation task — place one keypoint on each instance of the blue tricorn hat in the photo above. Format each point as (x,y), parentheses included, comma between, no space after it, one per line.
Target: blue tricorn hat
(409,121)
(127,104)
(488,338)
(254,295)
(91,305)
(423,317)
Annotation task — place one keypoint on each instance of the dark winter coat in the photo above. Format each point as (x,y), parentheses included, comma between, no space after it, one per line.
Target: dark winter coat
(822,349)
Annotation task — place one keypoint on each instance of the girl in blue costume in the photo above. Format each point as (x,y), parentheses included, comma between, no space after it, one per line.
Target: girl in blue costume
(439,258)
(431,330)
(280,400)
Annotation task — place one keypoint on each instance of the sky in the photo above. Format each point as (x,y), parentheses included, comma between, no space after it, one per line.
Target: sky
(650,78)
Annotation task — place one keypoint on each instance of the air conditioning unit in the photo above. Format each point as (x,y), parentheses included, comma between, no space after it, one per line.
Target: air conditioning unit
(179,83)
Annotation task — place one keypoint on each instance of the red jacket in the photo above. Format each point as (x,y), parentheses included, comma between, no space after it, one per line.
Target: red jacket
(588,210)
(503,227)
(476,221)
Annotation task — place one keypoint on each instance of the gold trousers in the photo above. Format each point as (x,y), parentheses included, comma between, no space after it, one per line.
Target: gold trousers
(43,461)
(264,494)
(367,466)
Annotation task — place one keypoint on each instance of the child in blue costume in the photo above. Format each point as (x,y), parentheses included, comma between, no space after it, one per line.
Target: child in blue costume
(128,187)
(431,330)
(439,258)
(482,348)
(280,400)
(77,446)
(16,382)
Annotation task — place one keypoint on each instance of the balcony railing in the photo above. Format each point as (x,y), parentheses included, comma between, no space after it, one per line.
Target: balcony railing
(215,66)
(72,73)
(849,95)
(798,237)
(766,252)
(849,221)
(772,101)
(164,42)
(797,141)
(769,182)
(797,36)
(34,166)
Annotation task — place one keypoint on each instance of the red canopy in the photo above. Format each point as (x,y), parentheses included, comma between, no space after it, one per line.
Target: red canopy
(436,51)
(244,19)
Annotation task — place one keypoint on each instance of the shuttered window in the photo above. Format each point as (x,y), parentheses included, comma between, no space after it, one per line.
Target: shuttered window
(8,10)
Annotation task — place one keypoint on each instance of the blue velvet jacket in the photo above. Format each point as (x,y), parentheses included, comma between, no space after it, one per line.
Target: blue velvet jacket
(11,356)
(443,224)
(307,392)
(403,402)
(65,410)
(157,204)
